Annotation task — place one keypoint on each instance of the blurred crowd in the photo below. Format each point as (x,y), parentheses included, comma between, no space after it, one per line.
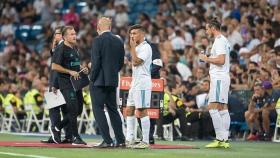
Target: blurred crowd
(177,27)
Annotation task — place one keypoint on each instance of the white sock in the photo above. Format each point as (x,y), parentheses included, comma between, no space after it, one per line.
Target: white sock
(130,124)
(145,123)
(217,123)
(226,123)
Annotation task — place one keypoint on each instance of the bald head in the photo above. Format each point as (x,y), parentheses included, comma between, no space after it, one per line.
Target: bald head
(104,24)
(104,21)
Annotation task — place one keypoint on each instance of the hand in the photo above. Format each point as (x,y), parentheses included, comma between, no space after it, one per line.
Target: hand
(132,43)
(191,110)
(203,57)
(85,70)
(54,90)
(254,97)
(266,106)
(74,74)
(54,43)
(172,111)
(89,65)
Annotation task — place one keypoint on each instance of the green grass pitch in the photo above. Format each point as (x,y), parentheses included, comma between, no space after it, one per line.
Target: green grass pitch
(239,149)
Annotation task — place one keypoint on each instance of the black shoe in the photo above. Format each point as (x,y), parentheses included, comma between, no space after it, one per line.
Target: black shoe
(161,139)
(152,141)
(49,141)
(104,145)
(78,141)
(186,138)
(55,135)
(66,141)
(120,145)
(266,137)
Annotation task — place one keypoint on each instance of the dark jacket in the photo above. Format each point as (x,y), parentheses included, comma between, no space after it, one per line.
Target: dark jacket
(107,58)
(157,62)
(53,80)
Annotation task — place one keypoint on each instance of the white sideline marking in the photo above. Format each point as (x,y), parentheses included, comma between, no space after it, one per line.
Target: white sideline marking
(23,155)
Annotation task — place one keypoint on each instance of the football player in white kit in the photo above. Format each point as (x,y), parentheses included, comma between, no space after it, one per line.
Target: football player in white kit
(139,96)
(219,84)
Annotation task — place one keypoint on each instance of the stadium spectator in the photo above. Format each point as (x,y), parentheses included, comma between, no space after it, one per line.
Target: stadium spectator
(172,109)
(121,17)
(72,18)
(261,108)
(198,113)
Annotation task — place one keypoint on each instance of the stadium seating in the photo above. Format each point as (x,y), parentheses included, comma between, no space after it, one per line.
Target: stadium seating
(10,122)
(23,32)
(3,44)
(145,6)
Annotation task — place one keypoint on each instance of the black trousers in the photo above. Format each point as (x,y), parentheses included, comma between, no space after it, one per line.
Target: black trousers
(74,107)
(101,95)
(205,127)
(169,118)
(56,121)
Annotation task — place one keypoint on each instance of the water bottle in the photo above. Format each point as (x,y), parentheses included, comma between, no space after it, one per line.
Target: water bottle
(202,52)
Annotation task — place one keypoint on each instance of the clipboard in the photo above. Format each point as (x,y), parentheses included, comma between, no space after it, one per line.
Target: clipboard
(80,83)
(54,100)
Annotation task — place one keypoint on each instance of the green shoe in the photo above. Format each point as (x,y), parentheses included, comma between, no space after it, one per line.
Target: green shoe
(214,144)
(225,144)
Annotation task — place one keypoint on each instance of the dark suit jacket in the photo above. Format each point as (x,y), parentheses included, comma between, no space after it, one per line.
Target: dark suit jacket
(155,71)
(53,81)
(107,59)
(53,78)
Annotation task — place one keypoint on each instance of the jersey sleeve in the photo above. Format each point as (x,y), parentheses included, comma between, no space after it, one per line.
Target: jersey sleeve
(144,53)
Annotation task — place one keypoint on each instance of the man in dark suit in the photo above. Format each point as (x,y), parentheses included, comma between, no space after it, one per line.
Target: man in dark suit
(107,58)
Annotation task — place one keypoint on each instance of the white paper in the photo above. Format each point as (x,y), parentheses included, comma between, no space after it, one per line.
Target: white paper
(54,100)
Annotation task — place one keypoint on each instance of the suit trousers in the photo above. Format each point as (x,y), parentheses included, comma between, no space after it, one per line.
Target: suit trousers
(101,95)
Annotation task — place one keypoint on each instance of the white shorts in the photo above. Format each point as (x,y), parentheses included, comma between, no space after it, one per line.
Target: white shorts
(219,88)
(139,98)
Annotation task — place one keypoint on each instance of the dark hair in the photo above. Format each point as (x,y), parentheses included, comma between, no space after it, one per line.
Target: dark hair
(260,21)
(171,85)
(254,63)
(178,32)
(65,29)
(214,23)
(206,80)
(270,43)
(59,28)
(224,28)
(136,27)
(265,70)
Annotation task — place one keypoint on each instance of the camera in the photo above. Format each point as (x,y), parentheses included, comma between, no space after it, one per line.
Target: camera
(254,99)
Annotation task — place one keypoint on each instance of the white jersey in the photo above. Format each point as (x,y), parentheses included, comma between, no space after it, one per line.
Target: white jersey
(141,74)
(220,46)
